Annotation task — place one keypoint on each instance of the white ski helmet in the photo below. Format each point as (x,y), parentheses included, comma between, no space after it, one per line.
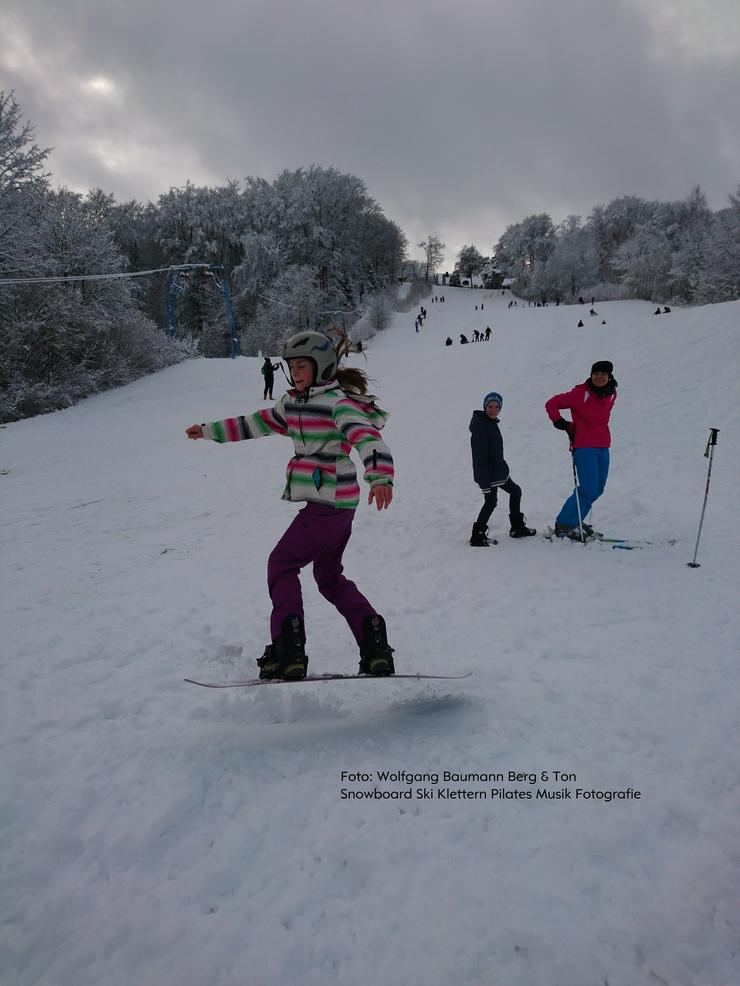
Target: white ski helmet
(318,348)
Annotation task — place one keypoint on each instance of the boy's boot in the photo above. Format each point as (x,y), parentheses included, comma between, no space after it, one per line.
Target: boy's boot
(479,537)
(519,527)
(376,657)
(286,656)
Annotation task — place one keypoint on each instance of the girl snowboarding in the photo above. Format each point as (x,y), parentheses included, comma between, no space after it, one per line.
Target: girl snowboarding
(590,404)
(491,472)
(326,413)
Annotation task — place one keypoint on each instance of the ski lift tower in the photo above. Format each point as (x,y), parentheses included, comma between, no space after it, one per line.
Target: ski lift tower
(216,271)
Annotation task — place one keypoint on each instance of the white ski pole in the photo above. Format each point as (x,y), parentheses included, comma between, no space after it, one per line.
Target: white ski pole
(713,432)
(578,499)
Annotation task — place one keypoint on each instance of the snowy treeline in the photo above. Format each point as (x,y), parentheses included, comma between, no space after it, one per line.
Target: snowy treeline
(308,248)
(62,341)
(661,251)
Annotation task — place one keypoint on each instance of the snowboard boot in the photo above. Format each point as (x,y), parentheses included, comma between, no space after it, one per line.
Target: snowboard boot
(479,537)
(286,656)
(376,657)
(519,527)
(268,663)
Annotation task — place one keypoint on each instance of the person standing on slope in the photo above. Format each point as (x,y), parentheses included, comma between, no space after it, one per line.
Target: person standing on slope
(268,372)
(590,404)
(326,413)
(491,472)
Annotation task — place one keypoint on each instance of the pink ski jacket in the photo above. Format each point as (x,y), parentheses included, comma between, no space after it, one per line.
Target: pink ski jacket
(590,415)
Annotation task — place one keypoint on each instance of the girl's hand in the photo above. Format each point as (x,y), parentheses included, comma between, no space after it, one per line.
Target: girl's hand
(382,495)
(194,431)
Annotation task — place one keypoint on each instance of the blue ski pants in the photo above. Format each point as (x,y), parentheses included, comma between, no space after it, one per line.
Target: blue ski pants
(592,465)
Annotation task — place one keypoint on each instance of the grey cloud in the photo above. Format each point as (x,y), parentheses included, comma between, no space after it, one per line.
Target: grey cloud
(460,119)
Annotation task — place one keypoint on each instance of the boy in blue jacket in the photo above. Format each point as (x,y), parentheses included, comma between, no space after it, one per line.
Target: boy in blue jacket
(490,472)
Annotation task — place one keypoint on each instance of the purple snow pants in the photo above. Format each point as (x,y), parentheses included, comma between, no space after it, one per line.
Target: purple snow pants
(319,534)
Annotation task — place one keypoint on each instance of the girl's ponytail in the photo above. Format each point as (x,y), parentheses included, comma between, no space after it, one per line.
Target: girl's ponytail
(349,378)
(353,380)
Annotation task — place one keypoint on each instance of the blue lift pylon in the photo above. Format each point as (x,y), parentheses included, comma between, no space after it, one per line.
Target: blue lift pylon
(216,271)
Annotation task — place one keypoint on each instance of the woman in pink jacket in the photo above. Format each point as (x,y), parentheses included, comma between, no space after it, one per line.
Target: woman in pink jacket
(590,405)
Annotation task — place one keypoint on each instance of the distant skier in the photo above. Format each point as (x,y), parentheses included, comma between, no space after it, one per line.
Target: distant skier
(448,341)
(491,472)
(580,323)
(488,332)
(590,404)
(463,340)
(268,372)
(666,310)
(657,311)
(327,410)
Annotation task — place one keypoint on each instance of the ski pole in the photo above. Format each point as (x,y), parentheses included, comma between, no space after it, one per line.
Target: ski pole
(713,432)
(578,499)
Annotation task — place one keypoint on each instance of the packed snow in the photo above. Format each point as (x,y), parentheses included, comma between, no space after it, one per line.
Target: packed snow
(154,832)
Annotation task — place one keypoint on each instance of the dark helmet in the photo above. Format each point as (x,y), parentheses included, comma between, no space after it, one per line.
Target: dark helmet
(318,348)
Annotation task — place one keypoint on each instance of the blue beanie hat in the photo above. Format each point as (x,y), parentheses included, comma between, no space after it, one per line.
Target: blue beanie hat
(493,396)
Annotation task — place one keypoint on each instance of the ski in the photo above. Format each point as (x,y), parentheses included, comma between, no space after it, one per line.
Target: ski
(626,544)
(249,682)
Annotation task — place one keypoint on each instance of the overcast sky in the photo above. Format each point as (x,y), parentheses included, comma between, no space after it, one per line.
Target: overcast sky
(460,117)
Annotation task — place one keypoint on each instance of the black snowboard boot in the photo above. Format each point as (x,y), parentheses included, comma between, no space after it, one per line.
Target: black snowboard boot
(376,657)
(479,537)
(268,663)
(519,527)
(286,656)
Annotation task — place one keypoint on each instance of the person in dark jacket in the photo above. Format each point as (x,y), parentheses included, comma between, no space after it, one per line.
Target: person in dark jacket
(490,472)
(268,372)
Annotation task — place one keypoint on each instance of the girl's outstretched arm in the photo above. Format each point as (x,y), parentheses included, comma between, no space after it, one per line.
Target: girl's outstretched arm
(269,421)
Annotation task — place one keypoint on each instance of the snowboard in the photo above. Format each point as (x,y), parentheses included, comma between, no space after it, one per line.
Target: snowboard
(249,682)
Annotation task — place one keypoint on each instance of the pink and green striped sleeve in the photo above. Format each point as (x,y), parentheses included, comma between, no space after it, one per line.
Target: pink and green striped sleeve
(269,421)
(358,427)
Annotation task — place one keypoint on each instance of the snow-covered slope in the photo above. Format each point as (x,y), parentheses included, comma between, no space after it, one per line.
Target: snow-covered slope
(157,833)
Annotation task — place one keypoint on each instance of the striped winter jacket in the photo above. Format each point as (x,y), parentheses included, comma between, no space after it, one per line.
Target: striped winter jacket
(324,427)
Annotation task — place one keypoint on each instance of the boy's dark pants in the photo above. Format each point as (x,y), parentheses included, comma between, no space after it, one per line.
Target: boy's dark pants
(515,501)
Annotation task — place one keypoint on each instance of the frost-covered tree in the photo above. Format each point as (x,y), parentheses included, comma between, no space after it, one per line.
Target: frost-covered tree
(644,262)
(434,251)
(525,247)
(719,277)
(572,264)
(61,340)
(293,303)
(469,262)
(22,185)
